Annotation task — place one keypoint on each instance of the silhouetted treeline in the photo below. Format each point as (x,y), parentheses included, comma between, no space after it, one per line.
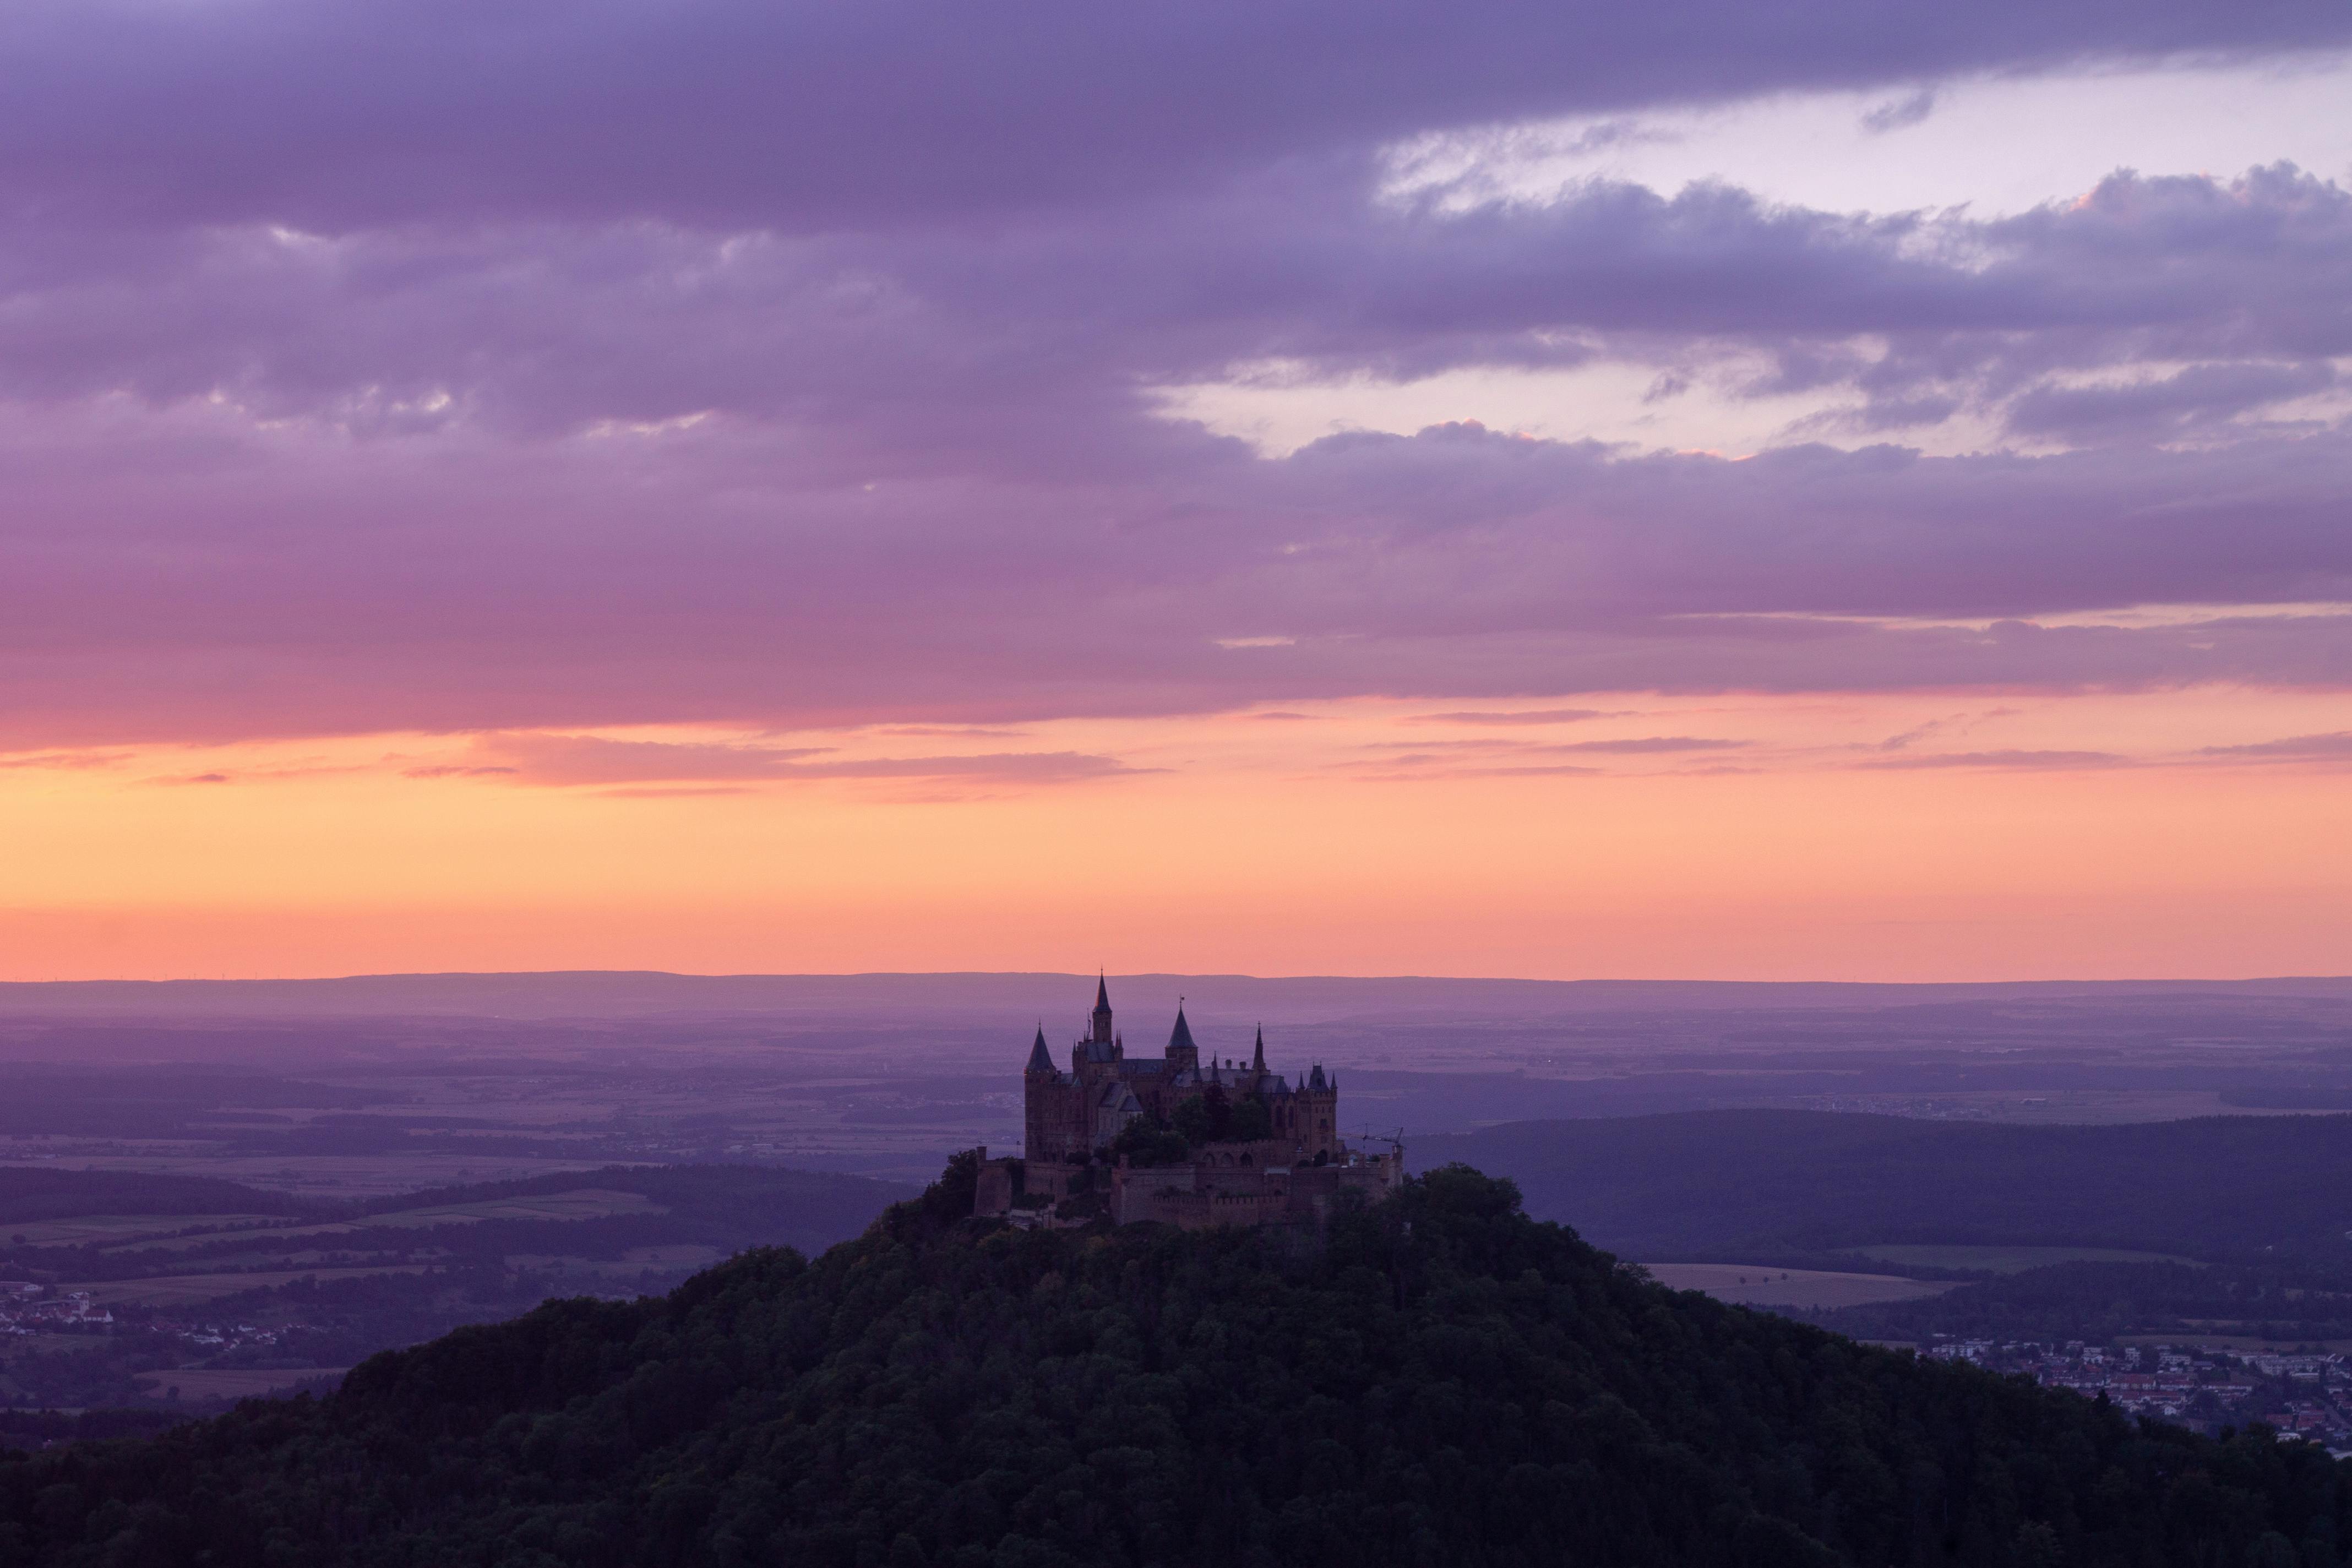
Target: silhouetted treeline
(42,1428)
(1772,1183)
(1448,1383)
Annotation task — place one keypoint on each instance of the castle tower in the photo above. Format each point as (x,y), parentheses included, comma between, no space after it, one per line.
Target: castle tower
(1319,1110)
(1099,1034)
(1183,1055)
(1042,1102)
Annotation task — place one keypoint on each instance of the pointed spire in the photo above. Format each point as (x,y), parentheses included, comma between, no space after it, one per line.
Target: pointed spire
(1180,1039)
(1040,1058)
(1258,1062)
(1100,1031)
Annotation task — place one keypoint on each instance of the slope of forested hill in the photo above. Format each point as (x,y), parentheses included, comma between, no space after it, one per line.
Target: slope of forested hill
(1449,1383)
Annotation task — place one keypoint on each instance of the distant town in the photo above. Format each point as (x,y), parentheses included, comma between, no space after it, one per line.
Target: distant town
(2307,1396)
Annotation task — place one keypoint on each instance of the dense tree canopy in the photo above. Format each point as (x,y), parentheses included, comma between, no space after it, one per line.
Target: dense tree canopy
(1446,1383)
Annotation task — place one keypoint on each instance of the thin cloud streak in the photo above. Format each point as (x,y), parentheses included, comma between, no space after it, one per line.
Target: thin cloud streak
(592,759)
(2336,746)
(1532,716)
(2011,761)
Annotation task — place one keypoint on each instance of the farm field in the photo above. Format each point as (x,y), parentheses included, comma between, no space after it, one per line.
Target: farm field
(1753,1285)
(126,1228)
(587,1203)
(2007,1259)
(193,1289)
(231,1383)
(324,1176)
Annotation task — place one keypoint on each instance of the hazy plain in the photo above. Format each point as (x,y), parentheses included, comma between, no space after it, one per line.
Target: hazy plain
(385,1085)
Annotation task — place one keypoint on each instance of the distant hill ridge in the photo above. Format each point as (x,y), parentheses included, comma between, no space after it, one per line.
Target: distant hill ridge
(1756,1184)
(624,993)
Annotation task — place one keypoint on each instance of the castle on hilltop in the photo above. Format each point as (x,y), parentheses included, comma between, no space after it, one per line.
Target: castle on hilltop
(1175,1138)
(1068,1116)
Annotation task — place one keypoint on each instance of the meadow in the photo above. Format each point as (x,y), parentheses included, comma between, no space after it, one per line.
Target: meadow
(1754,1285)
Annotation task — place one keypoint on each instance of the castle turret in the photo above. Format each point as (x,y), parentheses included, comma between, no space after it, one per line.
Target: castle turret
(1049,1105)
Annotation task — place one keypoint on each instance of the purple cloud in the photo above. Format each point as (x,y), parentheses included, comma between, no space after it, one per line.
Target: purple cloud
(1525,716)
(926,349)
(734,114)
(500,368)
(2200,394)
(1900,113)
(643,582)
(2332,747)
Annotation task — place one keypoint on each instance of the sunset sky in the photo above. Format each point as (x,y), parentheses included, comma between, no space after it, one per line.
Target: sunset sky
(1846,491)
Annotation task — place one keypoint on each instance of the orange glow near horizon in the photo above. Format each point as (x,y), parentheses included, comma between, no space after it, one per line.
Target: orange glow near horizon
(1902,837)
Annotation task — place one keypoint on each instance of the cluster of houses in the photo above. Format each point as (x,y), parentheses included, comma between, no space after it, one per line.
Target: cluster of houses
(215,1337)
(27,1308)
(2306,1395)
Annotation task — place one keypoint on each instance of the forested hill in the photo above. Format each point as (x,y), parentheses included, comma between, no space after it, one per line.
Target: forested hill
(1761,1182)
(1448,1383)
